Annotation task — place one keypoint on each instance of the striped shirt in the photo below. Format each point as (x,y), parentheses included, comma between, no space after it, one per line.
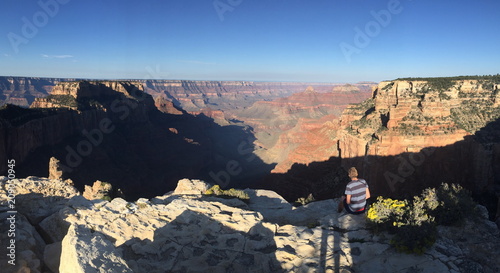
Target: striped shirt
(357,190)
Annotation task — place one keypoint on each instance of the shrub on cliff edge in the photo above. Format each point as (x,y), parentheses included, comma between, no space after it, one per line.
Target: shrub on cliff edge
(414,223)
(217,191)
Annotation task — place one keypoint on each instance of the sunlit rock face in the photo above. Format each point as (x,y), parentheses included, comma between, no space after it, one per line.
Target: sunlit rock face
(409,135)
(415,133)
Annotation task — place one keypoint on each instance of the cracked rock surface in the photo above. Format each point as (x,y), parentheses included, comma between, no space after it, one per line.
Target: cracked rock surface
(185,231)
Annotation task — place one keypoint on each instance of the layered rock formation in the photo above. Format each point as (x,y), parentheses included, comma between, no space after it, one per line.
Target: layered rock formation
(286,129)
(410,135)
(22,91)
(186,231)
(225,95)
(189,95)
(416,131)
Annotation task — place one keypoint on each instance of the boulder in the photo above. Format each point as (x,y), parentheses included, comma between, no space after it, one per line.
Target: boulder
(194,186)
(86,251)
(55,227)
(99,190)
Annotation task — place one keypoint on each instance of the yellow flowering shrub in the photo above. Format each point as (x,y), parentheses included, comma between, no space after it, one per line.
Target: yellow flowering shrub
(414,223)
(386,212)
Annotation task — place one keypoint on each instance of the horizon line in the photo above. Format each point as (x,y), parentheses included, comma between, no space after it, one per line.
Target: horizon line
(198,80)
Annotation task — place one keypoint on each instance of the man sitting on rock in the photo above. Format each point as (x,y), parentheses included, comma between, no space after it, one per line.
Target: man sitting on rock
(356,193)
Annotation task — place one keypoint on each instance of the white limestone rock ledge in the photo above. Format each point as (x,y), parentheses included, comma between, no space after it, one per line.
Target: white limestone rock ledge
(185,231)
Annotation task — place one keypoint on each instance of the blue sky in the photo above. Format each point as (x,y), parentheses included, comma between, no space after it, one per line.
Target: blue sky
(260,40)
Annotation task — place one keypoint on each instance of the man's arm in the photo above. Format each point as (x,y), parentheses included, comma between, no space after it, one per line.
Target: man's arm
(368,195)
(348,199)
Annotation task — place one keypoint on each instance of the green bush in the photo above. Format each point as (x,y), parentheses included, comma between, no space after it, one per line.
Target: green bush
(63,100)
(414,223)
(107,198)
(231,193)
(414,239)
(304,200)
(455,204)
(389,86)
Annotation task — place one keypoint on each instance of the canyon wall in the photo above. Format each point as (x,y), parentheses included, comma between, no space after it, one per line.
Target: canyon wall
(189,95)
(114,132)
(409,135)
(413,134)
(42,128)
(226,95)
(22,91)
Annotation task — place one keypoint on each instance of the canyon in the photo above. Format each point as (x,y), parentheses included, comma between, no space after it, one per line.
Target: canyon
(157,130)
(296,139)
(188,95)
(410,135)
(149,150)
(23,90)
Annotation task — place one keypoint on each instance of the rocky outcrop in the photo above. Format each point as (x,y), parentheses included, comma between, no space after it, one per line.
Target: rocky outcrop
(195,233)
(36,199)
(99,190)
(188,186)
(166,106)
(55,169)
(407,135)
(410,135)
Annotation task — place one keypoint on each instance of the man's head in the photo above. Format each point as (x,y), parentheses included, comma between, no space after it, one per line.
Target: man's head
(353,173)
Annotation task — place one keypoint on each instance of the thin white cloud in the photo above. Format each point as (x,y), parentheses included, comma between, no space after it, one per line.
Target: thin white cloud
(196,62)
(6,55)
(56,56)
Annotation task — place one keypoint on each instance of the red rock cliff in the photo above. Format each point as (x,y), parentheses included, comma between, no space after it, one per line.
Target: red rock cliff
(412,134)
